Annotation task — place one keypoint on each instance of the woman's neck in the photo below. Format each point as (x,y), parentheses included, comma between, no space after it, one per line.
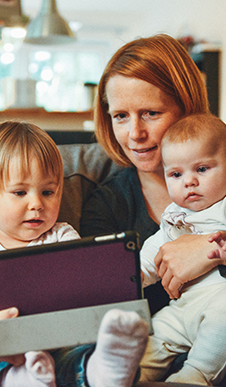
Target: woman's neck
(155,193)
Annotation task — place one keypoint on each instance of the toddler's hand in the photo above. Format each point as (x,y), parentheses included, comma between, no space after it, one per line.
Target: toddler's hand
(220,238)
(16,360)
(8,313)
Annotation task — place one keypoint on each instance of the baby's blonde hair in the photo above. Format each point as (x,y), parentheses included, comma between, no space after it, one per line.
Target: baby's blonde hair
(206,127)
(28,141)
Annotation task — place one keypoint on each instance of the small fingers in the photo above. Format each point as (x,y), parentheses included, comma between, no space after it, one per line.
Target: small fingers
(213,254)
(219,237)
(5,314)
(214,237)
(9,313)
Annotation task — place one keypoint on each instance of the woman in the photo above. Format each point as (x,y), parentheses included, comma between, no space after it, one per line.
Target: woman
(148,85)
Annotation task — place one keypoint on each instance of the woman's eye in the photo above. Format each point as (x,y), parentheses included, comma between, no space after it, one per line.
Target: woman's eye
(202,169)
(119,117)
(150,113)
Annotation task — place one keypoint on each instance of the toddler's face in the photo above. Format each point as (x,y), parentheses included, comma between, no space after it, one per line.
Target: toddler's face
(28,207)
(195,175)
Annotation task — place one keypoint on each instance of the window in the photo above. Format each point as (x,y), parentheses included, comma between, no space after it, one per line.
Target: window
(50,77)
(61,75)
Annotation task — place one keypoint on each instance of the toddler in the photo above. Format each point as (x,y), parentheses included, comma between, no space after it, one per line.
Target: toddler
(31,183)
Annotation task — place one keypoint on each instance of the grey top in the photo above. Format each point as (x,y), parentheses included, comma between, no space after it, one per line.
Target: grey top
(118,205)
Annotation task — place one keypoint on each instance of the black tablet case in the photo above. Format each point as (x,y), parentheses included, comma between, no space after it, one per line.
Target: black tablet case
(63,291)
(81,273)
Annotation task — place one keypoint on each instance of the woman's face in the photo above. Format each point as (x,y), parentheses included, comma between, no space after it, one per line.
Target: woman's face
(140,113)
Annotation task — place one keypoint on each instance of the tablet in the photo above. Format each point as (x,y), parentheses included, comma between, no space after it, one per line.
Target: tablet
(90,271)
(65,328)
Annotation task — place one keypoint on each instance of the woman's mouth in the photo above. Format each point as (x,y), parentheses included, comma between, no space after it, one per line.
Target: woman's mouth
(145,150)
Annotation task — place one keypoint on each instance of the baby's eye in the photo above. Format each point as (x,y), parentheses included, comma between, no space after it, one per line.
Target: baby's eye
(203,169)
(176,174)
(47,193)
(19,193)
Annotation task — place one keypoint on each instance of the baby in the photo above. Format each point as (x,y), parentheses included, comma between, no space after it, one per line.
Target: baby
(194,160)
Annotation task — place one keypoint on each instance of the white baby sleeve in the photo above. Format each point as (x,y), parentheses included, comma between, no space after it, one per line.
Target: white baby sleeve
(147,255)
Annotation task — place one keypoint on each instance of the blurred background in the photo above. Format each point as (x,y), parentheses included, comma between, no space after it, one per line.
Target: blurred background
(62,76)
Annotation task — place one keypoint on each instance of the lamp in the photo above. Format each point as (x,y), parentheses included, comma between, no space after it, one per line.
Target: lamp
(11,14)
(49,27)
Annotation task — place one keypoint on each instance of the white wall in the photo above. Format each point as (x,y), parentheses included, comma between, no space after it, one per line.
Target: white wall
(204,19)
(122,21)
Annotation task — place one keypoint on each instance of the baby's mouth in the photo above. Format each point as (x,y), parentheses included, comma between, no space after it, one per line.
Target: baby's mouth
(192,195)
(34,221)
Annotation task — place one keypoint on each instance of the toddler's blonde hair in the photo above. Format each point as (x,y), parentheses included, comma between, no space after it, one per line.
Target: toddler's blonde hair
(27,141)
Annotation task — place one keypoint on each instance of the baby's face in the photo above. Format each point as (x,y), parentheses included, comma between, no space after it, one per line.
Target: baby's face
(28,207)
(195,175)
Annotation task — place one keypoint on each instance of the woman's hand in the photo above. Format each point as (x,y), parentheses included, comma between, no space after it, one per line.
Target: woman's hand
(16,360)
(183,260)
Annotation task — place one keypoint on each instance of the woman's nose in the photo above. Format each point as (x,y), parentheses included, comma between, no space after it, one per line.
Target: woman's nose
(137,130)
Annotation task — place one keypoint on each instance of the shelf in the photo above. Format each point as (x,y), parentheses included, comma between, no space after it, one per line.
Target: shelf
(208,62)
(48,120)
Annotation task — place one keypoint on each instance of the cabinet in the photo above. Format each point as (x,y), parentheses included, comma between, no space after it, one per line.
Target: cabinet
(68,121)
(208,62)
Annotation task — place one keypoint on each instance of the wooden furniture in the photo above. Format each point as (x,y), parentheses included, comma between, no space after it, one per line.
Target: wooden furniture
(69,121)
(208,62)
(164,384)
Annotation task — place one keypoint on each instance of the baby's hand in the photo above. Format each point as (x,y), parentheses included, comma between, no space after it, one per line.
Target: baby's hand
(220,238)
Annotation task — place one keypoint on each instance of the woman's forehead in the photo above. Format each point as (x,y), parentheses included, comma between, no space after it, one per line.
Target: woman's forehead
(120,89)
